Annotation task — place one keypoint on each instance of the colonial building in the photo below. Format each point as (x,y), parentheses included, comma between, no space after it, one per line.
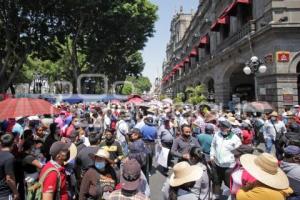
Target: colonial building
(212,45)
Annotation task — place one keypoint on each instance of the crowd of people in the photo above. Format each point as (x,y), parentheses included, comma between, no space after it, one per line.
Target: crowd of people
(96,151)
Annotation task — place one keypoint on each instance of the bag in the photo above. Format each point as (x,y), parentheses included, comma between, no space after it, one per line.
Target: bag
(35,192)
(292,138)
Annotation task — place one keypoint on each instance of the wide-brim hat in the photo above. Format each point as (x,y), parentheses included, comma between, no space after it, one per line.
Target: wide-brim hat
(101,153)
(265,169)
(183,173)
(233,121)
(209,118)
(274,114)
(73,153)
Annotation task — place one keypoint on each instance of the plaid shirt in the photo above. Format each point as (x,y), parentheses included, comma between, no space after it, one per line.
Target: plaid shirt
(117,195)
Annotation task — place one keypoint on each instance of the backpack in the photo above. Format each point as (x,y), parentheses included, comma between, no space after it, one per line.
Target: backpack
(35,192)
(292,138)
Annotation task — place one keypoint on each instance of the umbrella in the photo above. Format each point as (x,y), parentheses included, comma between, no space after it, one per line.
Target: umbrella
(135,100)
(12,108)
(258,106)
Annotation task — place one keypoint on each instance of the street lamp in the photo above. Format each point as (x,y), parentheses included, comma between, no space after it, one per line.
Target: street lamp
(254,66)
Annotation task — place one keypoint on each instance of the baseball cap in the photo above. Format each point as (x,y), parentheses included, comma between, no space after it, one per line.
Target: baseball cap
(57,147)
(225,124)
(292,150)
(131,173)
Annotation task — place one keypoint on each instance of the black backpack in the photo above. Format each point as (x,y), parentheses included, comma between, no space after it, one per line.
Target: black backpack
(292,138)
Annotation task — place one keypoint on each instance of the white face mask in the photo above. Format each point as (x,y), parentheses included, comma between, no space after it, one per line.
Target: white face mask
(273,118)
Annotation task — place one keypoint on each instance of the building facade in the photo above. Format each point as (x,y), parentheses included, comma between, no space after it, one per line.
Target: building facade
(212,45)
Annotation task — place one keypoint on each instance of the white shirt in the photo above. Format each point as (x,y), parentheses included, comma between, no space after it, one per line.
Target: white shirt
(270,132)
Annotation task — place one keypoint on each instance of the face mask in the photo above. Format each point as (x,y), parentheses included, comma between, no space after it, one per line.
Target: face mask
(100,165)
(273,118)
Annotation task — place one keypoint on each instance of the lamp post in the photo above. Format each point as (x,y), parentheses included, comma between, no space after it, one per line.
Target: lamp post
(255,66)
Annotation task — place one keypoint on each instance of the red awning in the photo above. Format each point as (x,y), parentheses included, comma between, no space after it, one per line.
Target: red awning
(204,40)
(194,52)
(223,20)
(232,8)
(186,60)
(181,65)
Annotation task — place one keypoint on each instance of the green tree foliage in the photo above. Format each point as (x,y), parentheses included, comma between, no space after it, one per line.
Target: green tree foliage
(179,98)
(140,85)
(108,33)
(195,94)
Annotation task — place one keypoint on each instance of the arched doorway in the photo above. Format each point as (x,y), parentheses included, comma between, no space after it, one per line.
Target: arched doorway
(242,86)
(298,81)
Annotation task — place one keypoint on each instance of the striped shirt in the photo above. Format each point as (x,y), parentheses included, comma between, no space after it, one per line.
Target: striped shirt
(117,195)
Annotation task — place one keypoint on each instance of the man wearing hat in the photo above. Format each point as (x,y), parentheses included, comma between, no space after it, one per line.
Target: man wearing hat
(54,172)
(291,166)
(272,182)
(274,129)
(130,181)
(221,156)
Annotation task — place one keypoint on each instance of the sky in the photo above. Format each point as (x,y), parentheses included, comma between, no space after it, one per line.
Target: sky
(154,51)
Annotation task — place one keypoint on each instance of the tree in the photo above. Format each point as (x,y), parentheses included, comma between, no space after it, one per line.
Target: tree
(141,84)
(195,94)
(109,33)
(179,98)
(26,27)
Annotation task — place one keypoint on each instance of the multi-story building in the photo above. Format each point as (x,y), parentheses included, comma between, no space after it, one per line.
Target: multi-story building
(212,45)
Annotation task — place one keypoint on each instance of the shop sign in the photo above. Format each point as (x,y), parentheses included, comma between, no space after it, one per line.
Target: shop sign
(283,56)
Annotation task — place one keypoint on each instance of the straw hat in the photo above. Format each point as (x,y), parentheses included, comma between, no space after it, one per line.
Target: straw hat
(210,117)
(233,121)
(274,114)
(183,173)
(73,153)
(101,153)
(265,169)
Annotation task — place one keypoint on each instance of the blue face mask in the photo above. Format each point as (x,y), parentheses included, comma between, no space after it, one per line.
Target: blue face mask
(100,165)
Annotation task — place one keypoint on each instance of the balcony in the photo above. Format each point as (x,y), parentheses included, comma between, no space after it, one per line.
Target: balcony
(240,34)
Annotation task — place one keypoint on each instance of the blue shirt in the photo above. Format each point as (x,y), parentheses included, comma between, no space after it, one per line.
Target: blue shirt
(205,141)
(149,132)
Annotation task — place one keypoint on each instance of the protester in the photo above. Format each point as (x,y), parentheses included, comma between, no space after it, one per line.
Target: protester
(246,132)
(272,182)
(183,144)
(130,180)
(112,146)
(274,129)
(50,139)
(239,176)
(221,157)
(122,129)
(149,135)
(83,160)
(291,166)
(8,186)
(205,139)
(53,173)
(184,177)
(138,150)
(100,179)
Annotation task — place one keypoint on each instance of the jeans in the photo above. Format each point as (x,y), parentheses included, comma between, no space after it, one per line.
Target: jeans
(268,144)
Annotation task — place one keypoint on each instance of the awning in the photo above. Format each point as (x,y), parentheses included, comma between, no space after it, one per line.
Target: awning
(186,60)
(232,8)
(204,40)
(222,20)
(181,64)
(194,52)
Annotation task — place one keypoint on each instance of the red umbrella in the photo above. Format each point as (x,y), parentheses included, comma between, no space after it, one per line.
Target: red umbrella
(22,107)
(135,100)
